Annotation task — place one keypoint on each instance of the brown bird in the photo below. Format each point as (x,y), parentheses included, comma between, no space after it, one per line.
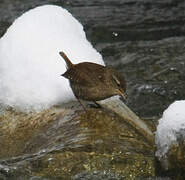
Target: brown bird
(93,82)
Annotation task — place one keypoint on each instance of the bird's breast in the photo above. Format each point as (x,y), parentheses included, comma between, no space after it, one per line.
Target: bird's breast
(94,93)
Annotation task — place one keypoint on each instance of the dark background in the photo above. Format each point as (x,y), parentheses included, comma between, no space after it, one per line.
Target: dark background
(143,39)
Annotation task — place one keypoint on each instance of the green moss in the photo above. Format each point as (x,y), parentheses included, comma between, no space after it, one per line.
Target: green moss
(68,164)
(18,128)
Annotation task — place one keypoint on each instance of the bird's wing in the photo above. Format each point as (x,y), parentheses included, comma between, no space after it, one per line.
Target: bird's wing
(85,74)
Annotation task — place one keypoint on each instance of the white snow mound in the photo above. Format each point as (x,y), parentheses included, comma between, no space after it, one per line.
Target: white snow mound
(171,128)
(30,64)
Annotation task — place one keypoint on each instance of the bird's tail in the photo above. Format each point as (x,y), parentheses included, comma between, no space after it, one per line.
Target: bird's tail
(68,62)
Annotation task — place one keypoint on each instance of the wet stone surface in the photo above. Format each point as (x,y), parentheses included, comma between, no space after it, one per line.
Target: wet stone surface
(63,143)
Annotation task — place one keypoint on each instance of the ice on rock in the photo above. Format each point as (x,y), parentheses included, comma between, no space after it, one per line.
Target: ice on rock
(30,64)
(171,127)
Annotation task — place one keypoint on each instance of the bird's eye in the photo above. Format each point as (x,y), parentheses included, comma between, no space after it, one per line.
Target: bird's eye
(117,81)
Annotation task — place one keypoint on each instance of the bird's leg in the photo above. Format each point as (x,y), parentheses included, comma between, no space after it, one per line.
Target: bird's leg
(94,105)
(97,105)
(81,104)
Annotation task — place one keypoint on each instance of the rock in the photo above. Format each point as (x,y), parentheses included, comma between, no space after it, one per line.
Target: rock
(68,142)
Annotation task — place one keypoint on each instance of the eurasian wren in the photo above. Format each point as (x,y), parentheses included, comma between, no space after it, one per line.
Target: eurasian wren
(93,82)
